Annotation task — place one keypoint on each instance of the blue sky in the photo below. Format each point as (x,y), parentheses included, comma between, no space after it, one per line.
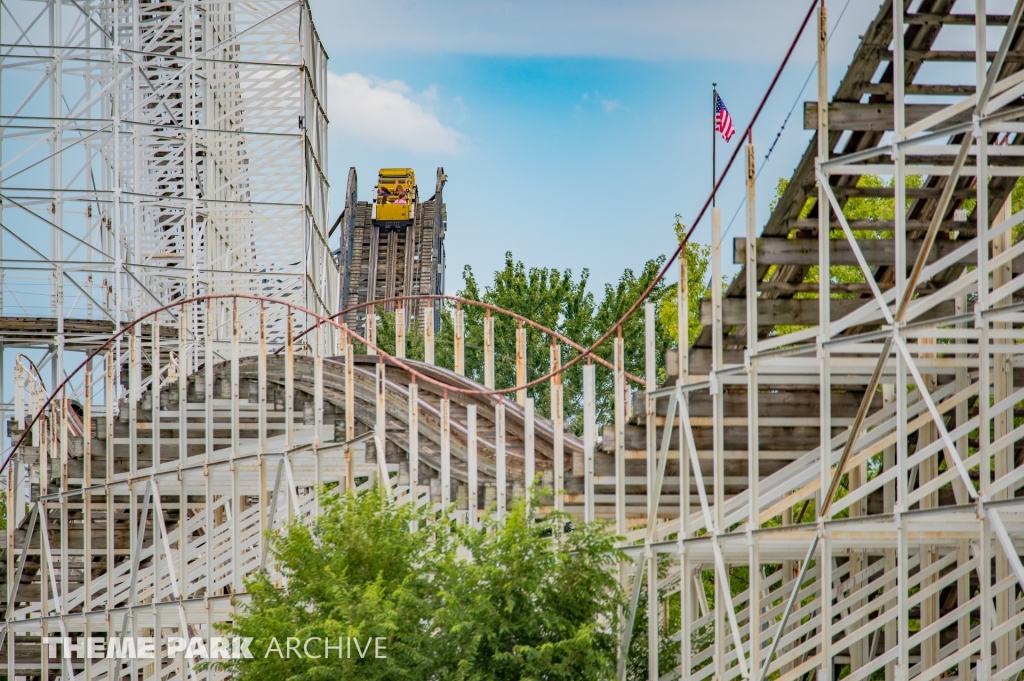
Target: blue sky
(571,131)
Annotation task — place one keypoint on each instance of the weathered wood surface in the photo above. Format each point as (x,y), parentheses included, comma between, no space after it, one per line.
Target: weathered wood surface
(799,311)
(875,116)
(875,252)
(76,331)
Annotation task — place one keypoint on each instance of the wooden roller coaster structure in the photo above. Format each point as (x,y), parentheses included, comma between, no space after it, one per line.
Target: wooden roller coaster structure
(863,467)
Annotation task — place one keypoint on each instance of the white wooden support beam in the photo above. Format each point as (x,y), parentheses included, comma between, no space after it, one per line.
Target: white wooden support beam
(134,371)
(414,440)
(557,425)
(651,416)
(371,330)
(380,429)
(620,417)
(529,448)
(271,518)
(753,434)
(87,498)
(289,386)
(472,465)
(460,341)
(718,403)
(627,628)
(488,350)
(446,453)
(261,368)
(208,362)
(589,440)
(939,421)
(235,380)
(319,340)
(400,331)
(154,393)
(825,248)
(1009,549)
(521,377)
(350,414)
(428,334)
(499,458)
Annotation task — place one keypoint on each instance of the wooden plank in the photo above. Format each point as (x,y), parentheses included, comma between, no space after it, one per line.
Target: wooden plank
(873,117)
(811,224)
(1012,57)
(802,311)
(923,89)
(912,192)
(876,251)
(924,18)
(776,404)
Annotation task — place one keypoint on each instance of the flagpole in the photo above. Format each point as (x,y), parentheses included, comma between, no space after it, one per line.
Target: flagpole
(714,141)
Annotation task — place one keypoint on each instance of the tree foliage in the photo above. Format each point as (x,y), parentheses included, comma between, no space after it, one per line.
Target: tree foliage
(562,302)
(526,598)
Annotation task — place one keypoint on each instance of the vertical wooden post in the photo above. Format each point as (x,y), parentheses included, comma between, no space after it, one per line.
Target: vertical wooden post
(87,480)
(717,413)
(460,341)
(154,392)
(557,423)
(687,604)
(350,414)
(529,448)
(236,497)
(446,453)
(499,456)
(289,385)
(489,350)
(521,364)
(428,335)
(380,430)
(650,365)
(400,331)
(134,369)
(620,433)
(471,456)
(414,440)
(261,361)
(718,402)
(235,378)
(371,329)
(753,442)
(65,567)
(320,339)
(589,440)
(651,383)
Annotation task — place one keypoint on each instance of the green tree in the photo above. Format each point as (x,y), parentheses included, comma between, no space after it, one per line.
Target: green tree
(553,298)
(698,260)
(560,301)
(538,600)
(360,572)
(524,598)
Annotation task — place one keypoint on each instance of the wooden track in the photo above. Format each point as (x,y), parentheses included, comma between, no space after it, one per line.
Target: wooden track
(383,263)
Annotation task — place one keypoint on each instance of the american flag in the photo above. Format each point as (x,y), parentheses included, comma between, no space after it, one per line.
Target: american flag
(723,121)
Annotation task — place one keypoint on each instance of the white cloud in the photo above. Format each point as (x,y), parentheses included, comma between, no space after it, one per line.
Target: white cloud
(610,105)
(383,114)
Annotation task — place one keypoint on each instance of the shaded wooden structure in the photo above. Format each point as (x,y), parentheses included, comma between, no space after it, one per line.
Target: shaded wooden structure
(385,262)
